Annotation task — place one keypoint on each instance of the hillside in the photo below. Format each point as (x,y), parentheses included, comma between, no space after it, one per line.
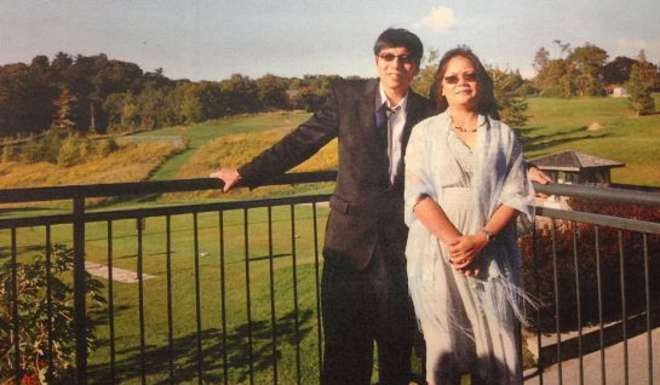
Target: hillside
(132,162)
(554,125)
(561,124)
(198,135)
(236,149)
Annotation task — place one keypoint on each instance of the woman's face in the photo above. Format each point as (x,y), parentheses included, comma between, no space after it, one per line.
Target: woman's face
(459,83)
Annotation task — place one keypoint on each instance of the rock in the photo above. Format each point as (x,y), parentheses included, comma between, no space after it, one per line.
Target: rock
(595,126)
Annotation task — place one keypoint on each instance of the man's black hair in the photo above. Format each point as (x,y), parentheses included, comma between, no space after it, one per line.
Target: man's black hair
(399,37)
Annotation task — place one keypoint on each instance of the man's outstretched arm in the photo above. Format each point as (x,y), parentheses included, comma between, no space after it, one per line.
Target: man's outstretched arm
(290,151)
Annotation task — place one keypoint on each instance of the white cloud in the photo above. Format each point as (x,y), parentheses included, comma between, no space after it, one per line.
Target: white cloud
(440,19)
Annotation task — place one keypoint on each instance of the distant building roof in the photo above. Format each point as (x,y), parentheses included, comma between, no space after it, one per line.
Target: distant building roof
(573,161)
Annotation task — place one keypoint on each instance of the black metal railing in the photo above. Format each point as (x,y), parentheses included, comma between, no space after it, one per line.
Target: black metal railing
(265,343)
(586,249)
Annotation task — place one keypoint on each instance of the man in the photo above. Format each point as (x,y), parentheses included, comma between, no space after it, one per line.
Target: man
(364,289)
(364,286)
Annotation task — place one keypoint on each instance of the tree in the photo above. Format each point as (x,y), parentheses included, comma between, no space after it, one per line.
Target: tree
(197,102)
(577,71)
(241,95)
(589,62)
(25,98)
(156,106)
(511,106)
(556,79)
(541,59)
(640,86)
(313,91)
(42,92)
(64,118)
(618,70)
(271,91)
(426,76)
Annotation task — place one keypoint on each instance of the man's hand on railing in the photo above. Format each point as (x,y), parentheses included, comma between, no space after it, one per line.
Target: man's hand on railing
(229,176)
(536,175)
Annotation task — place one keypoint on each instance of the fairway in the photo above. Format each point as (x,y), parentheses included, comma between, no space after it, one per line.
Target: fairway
(561,124)
(294,337)
(200,134)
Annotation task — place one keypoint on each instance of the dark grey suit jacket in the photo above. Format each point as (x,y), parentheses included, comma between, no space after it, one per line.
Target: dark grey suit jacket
(365,207)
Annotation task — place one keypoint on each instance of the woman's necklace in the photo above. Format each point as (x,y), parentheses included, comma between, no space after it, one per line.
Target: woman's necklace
(461,128)
(464,130)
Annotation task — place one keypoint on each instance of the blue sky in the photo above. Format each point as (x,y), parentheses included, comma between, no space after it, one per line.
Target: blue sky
(210,40)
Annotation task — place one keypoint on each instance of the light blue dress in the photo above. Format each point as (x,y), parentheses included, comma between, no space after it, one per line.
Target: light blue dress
(469,324)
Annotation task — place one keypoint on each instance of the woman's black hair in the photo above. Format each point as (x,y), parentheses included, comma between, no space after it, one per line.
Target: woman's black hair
(486,103)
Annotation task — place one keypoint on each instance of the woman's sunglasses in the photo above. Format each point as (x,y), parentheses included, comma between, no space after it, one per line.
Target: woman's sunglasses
(469,77)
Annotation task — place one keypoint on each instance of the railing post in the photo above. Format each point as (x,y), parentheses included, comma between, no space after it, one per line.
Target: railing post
(80,316)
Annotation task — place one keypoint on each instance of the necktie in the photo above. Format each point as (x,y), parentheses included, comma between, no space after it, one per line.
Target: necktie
(382,124)
(381,118)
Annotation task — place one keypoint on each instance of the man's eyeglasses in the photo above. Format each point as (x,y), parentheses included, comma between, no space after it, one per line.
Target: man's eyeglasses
(469,77)
(389,57)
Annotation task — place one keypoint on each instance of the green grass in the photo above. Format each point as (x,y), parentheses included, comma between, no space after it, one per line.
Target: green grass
(560,124)
(556,124)
(154,259)
(200,134)
(125,296)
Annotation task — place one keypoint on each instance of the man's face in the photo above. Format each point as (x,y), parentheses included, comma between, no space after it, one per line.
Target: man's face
(396,68)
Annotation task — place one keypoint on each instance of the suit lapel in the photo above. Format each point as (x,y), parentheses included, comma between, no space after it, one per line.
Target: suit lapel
(367,108)
(414,113)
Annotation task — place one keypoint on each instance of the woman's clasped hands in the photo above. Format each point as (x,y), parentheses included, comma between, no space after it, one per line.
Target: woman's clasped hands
(464,250)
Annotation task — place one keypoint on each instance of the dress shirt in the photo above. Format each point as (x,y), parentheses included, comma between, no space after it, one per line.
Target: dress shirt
(396,120)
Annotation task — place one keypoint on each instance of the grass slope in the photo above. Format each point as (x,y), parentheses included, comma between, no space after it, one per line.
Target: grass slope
(560,124)
(132,162)
(236,149)
(198,135)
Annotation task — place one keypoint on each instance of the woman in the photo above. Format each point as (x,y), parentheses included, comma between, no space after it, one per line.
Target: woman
(465,184)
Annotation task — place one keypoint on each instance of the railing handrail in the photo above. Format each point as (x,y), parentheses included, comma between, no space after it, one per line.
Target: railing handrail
(160,210)
(609,194)
(180,185)
(99,216)
(33,194)
(79,217)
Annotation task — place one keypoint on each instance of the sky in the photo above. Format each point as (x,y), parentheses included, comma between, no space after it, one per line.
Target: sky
(210,40)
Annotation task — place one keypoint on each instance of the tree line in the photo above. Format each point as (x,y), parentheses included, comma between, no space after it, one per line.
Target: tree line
(575,71)
(586,71)
(85,94)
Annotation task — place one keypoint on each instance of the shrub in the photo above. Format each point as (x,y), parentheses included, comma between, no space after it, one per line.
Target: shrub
(106,146)
(538,274)
(74,150)
(42,149)
(31,151)
(9,153)
(86,148)
(32,279)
